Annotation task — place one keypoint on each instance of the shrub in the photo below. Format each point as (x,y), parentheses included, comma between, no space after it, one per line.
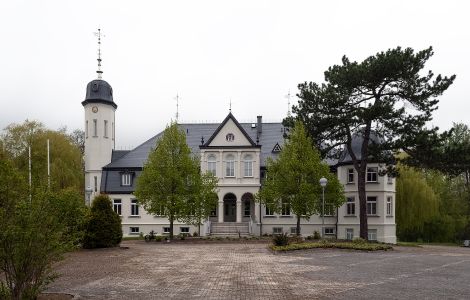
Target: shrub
(158,238)
(281,240)
(359,241)
(104,225)
(195,234)
(316,235)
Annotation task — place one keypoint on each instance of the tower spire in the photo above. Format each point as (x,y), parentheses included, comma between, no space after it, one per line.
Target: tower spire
(99,35)
(288,104)
(177,98)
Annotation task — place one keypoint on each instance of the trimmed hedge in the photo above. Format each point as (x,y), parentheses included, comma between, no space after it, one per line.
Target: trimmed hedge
(103,228)
(333,244)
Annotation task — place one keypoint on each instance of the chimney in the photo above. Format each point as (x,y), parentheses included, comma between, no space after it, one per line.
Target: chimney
(259,126)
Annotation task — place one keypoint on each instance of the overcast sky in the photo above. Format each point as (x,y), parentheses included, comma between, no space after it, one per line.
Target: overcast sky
(252,52)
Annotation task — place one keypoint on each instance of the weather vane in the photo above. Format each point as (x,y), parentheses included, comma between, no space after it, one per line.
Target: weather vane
(99,35)
(177,106)
(288,103)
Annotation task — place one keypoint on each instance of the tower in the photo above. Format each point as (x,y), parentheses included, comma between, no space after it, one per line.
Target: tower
(99,127)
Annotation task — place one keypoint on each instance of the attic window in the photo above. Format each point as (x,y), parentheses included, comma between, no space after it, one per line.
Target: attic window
(230,137)
(126,179)
(276,148)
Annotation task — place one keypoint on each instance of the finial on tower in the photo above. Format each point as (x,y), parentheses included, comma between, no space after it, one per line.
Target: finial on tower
(177,106)
(230,105)
(99,35)
(288,104)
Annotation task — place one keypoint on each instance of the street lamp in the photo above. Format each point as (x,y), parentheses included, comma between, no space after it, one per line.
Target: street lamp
(323,182)
(88,191)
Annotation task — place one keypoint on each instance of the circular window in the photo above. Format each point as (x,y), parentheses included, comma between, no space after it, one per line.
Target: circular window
(230,137)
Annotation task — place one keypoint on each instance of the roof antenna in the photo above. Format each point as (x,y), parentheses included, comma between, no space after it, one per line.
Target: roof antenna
(99,35)
(177,106)
(288,103)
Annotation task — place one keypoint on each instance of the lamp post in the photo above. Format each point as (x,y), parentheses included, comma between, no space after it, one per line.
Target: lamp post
(88,191)
(323,182)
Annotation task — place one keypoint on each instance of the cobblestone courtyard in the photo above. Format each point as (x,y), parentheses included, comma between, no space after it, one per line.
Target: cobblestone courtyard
(250,271)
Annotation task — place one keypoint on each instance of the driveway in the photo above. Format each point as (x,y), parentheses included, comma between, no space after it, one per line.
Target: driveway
(250,271)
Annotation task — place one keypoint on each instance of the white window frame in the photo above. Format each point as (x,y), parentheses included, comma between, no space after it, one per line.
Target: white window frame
(285,209)
(117,206)
(350,206)
(372,174)
(329,210)
(126,179)
(389,179)
(230,166)
(166,230)
(95,128)
(329,230)
(134,208)
(134,230)
(248,166)
(105,128)
(293,230)
(371,205)
(212,164)
(349,234)
(184,230)
(372,234)
(389,206)
(160,212)
(278,230)
(268,212)
(350,175)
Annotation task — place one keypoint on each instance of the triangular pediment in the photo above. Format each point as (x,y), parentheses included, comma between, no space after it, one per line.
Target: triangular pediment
(229,133)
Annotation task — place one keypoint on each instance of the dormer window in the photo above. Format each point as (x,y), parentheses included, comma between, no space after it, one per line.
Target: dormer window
(126,179)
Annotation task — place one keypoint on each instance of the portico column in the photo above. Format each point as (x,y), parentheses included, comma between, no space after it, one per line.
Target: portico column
(256,213)
(220,214)
(239,210)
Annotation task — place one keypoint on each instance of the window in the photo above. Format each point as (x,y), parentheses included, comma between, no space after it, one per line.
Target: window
(371,175)
(350,206)
(126,179)
(350,175)
(277,230)
(230,137)
(117,206)
(247,209)
(230,166)
(184,229)
(329,210)
(160,211)
(86,129)
(134,207)
(95,179)
(372,234)
(112,130)
(248,166)
(389,206)
(105,128)
(372,206)
(166,230)
(285,211)
(293,230)
(212,165)
(134,230)
(95,128)
(349,234)
(269,212)
(389,179)
(329,230)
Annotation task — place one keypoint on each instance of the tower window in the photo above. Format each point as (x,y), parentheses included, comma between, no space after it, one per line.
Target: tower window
(86,129)
(105,128)
(95,128)
(112,125)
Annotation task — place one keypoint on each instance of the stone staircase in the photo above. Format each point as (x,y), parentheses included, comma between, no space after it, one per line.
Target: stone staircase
(230,229)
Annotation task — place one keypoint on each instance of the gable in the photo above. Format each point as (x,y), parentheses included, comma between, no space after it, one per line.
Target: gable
(230,135)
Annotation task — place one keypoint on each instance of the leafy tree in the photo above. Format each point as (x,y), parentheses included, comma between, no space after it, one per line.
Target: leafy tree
(171,184)
(387,96)
(416,203)
(31,236)
(103,228)
(65,157)
(293,179)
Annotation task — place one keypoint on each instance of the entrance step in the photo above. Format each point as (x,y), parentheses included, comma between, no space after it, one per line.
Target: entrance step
(230,228)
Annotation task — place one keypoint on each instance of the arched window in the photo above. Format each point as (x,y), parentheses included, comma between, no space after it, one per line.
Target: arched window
(212,164)
(230,166)
(248,163)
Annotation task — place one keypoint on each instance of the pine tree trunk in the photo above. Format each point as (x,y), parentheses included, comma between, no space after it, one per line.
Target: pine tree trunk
(361,187)
(298,226)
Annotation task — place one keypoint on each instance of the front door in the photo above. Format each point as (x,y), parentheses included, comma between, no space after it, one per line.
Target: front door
(230,210)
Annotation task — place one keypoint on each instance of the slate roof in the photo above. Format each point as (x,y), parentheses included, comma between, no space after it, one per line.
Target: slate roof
(271,135)
(99,91)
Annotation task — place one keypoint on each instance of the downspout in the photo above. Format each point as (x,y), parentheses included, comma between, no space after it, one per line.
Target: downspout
(336,231)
